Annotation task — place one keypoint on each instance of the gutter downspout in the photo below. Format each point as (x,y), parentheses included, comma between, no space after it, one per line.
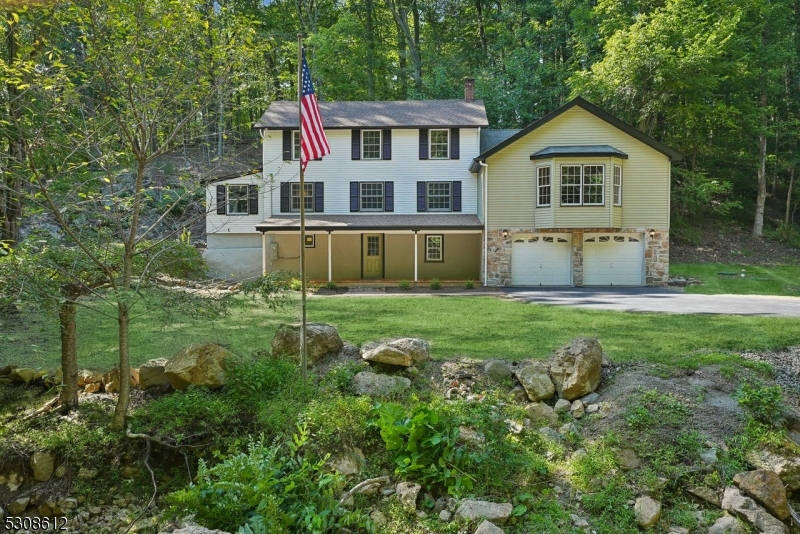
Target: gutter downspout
(485,221)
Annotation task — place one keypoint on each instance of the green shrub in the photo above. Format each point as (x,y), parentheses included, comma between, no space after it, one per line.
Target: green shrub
(764,402)
(276,489)
(340,376)
(405,285)
(469,284)
(337,420)
(187,414)
(436,284)
(426,449)
(260,378)
(331,285)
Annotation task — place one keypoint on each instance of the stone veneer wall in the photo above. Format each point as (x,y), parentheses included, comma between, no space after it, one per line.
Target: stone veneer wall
(656,253)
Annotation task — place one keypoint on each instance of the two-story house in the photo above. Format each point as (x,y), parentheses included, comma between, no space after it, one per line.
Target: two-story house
(421,189)
(394,200)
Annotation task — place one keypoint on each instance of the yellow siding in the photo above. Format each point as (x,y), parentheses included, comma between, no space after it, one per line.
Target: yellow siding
(646,177)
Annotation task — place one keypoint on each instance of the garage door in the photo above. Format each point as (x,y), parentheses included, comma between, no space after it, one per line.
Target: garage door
(541,260)
(613,260)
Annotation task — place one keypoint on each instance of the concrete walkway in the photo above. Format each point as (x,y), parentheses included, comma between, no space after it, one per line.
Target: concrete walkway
(647,299)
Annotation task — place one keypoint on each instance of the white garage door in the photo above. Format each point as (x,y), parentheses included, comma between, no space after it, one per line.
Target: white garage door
(613,259)
(541,260)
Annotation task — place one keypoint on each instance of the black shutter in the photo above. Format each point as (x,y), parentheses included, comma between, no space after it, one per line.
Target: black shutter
(423,144)
(285,197)
(387,144)
(455,142)
(457,196)
(287,145)
(388,196)
(421,186)
(353,196)
(355,137)
(221,200)
(319,197)
(252,199)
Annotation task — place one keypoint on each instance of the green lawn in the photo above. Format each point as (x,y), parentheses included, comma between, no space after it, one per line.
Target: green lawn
(482,327)
(758,280)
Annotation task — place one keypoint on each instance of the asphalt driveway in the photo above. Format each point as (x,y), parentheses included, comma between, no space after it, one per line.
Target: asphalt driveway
(647,299)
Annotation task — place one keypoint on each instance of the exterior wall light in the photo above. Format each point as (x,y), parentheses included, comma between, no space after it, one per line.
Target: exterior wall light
(652,234)
(505,234)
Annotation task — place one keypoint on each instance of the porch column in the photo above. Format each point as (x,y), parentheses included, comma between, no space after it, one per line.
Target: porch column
(416,256)
(330,262)
(263,253)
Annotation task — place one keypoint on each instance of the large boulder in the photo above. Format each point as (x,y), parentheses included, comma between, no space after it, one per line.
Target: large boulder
(321,340)
(535,378)
(767,489)
(153,373)
(647,511)
(111,379)
(199,365)
(787,466)
(378,385)
(576,368)
(24,375)
(737,503)
(471,510)
(541,414)
(405,352)
(43,465)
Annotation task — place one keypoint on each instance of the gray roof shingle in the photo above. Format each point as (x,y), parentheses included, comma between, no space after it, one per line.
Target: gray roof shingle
(424,221)
(490,138)
(283,114)
(579,150)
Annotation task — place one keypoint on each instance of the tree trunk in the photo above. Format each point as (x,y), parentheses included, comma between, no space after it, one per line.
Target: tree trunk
(409,40)
(11,185)
(789,197)
(121,410)
(481,27)
(370,8)
(402,50)
(761,198)
(415,50)
(69,353)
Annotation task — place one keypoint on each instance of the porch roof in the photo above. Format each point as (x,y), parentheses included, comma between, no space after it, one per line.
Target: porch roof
(376,222)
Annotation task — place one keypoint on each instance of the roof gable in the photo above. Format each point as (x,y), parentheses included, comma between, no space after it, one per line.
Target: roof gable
(283,114)
(673,155)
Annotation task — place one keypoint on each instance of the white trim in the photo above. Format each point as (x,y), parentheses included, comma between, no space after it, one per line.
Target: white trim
(485,166)
(539,186)
(617,202)
(361,197)
(296,155)
(430,143)
(416,256)
(228,199)
(581,185)
(428,258)
(380,145)
(330,259)
(449,196)
(263,253)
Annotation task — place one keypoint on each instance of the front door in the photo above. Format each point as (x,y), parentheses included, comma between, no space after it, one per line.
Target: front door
(372,246)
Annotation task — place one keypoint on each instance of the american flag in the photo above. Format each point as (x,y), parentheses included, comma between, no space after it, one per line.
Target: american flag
(313,143)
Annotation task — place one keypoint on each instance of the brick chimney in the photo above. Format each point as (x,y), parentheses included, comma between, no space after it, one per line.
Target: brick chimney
(469,89)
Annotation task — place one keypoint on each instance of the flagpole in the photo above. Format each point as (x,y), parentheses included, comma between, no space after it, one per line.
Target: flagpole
(303,348)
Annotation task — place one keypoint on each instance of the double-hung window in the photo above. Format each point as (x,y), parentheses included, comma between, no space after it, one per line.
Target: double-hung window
(296,144)
(309,196)
(371,196)
(582,185)
(439,196)
(617,185)
(238,199)
(440,144)
(370,144)
(543,186)
(434,248)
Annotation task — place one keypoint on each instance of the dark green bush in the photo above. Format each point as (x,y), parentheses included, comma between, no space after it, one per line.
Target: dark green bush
(260,378)
(765,403)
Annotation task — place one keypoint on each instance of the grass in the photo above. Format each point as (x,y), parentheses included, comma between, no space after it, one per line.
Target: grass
(758,280)
(481,327)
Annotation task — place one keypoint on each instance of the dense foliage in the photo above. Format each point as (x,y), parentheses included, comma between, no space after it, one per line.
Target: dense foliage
(90,85)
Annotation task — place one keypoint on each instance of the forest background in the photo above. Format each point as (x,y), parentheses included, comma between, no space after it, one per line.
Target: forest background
(716,80)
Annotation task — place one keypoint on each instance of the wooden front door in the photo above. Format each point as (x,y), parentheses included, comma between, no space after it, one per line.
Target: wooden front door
(372,255)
